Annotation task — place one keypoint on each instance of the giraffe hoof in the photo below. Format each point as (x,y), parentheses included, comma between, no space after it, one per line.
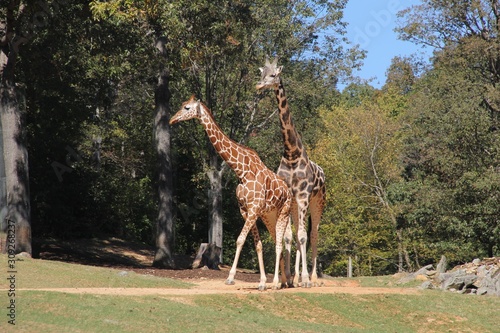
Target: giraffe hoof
(229,282)
(306,285)
(262,288)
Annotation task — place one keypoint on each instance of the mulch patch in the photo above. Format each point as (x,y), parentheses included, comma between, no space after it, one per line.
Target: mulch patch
(119,254)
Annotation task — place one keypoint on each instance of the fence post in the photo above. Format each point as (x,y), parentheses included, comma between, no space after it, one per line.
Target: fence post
(349,268)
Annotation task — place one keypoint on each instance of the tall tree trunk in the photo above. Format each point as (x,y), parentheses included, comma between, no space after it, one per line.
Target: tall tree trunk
(164,223)
(215,172)
(215,201)
(3,185)
(15,153)
(399,234)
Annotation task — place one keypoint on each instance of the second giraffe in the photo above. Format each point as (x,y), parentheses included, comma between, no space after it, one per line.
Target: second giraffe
(305,178)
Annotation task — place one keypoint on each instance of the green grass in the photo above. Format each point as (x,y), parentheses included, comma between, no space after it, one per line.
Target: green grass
(35,273)
(38,311)
(386,281)
(259,312)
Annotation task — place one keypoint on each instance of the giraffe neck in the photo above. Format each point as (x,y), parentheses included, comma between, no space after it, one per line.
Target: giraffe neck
(228,150)
(291,138)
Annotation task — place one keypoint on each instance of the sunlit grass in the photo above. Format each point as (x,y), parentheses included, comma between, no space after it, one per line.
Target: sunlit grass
(37,273)
(44,311)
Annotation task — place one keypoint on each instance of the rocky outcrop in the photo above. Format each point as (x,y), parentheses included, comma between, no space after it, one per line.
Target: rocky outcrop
(481,277)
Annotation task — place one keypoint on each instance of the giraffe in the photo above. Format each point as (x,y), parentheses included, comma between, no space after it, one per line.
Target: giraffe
(305,178)
(260,192)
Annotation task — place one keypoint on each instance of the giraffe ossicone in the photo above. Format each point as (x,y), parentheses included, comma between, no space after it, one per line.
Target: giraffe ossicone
(305,178)
(260,192)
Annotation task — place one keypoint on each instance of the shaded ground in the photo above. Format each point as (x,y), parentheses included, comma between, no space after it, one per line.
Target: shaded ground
(119,254)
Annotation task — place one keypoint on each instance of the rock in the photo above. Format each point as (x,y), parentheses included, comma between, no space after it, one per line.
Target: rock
(458,280)
(423,270)
(442,277)
(490,285)
(415,276)
(432,273)
(421,277)
(442,265)
(481,277)
(476,261)
(427,285)
(481,291)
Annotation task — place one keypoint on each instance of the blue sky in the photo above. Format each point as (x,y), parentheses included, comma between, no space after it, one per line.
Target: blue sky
(371,25)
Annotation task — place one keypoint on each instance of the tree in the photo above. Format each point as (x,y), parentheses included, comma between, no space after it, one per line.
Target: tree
(13,135)
(164,223)
(88,98)
(360,154)
(452,152)
(153,16)
(468,38)
(235,37)
(214,51)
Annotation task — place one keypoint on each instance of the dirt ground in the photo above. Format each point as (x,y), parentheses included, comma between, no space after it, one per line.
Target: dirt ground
(119,254)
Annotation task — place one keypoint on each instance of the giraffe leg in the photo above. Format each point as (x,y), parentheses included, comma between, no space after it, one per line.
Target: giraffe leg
(279,261)
(232,271)
(302,244)
(316,207)
(260,257)
(249,224)
(288,252)
(296,277)
(282,226)
(295,220)
(284,279)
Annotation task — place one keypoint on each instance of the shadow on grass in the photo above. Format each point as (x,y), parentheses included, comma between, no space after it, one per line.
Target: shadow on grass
(110,252)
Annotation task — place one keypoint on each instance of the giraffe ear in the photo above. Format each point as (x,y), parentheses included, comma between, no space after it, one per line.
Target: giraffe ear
(261,69)
(278,70)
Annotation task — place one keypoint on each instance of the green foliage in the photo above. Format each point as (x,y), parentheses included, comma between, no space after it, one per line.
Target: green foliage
(452,145)
(412,169)
(359,153)
(88,79)
(452,158)
(89,137)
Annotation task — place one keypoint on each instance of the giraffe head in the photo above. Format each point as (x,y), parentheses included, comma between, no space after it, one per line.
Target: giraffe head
(189,110)
(270,75)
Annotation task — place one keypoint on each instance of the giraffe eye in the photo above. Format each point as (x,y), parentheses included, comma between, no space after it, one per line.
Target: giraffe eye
(273,75)
(187,108)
